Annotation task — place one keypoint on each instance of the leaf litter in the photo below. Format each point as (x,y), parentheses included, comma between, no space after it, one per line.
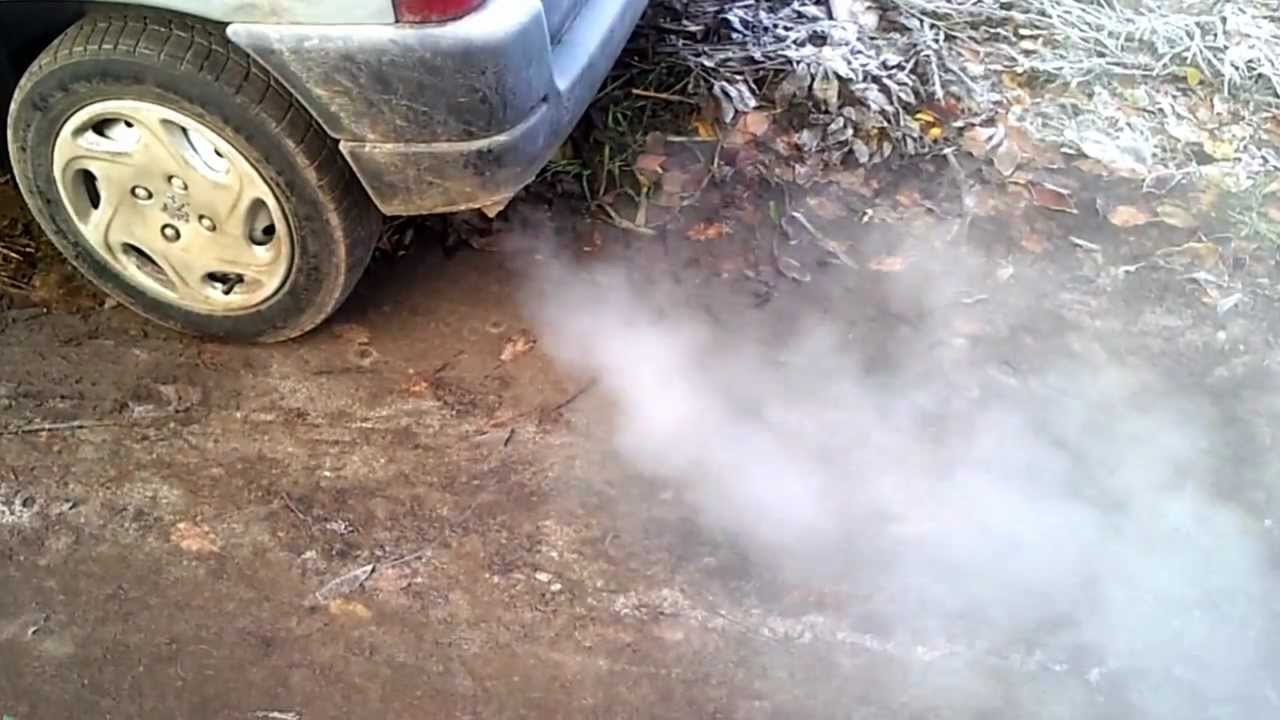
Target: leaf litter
(857,82)
(817,91)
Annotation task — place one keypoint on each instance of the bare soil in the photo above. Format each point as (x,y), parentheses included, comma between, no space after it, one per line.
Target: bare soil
(170,508)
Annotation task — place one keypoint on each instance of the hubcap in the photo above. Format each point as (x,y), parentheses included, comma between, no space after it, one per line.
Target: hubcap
(172,207)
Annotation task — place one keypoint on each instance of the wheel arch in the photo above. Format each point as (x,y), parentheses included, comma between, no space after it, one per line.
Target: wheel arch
(27,27)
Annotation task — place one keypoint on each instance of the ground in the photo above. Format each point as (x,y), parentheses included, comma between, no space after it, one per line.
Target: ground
(177,517)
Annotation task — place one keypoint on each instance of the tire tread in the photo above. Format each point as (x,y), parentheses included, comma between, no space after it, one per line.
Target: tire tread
(203,48)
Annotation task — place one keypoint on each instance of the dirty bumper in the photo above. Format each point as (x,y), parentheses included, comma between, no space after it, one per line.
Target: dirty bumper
(447,117)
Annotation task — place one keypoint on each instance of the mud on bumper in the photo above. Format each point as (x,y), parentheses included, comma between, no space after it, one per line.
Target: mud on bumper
(447,117)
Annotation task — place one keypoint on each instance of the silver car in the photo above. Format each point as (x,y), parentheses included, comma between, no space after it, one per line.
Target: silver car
(224,166)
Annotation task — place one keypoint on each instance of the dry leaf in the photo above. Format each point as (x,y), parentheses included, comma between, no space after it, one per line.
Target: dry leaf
(345,584)
(1193,76)
(1093,167)
(1007,158)
(1013,81)
(1052,198)
(737,139)
(754,123)
(924,117)
(1176,216)
(349,609)
(708,230)
(1128,216)
(193,538)
(888,263)
(517,345)
(1201,254)
(650,163)
(977,140)
(704,128)
(1218,149)
(1033,242)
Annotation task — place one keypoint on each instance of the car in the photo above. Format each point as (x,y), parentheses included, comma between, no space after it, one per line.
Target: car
(224,167)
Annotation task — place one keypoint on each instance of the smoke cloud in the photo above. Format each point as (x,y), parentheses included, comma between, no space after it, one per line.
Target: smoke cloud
(1059,524)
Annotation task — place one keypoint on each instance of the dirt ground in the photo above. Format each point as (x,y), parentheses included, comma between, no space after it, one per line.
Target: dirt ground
(172,511)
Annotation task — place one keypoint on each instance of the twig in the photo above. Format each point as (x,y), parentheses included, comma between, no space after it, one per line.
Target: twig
(405,559)
(574,397)
(966,199)
(289,503)
(823,241)
(70,426)
(662,96)
(621,222)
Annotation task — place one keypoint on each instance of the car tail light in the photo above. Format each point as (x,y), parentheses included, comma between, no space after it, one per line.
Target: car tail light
(430,11)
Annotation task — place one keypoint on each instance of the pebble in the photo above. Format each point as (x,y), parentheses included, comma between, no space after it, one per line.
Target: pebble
(542,576)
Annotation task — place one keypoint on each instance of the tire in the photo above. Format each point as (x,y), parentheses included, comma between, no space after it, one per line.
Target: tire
(190,68)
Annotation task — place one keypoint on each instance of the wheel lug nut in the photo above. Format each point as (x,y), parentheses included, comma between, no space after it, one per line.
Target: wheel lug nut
(207,223)
(177,183)
(171,233)
(141,193)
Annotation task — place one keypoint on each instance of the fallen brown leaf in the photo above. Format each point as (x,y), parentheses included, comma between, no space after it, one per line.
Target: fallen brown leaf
(1128,216)
(888,263)
(704,128)
(708,230)
(1218,149)
(1093,167)
(1007,158)
(349,609)
(1052,198)
(1176,216)
(517,345)
(650,163)
(977,140)
(1033,242)
(193,538)
(1201,254)
(754,123)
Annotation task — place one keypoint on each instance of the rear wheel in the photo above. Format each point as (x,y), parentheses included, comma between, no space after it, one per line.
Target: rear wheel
(183,180)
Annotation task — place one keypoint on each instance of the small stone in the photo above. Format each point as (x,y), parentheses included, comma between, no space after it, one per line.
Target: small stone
(542,576)
(555,587)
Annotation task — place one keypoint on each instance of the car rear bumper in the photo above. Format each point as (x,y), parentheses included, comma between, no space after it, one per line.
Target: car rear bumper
(447,117)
